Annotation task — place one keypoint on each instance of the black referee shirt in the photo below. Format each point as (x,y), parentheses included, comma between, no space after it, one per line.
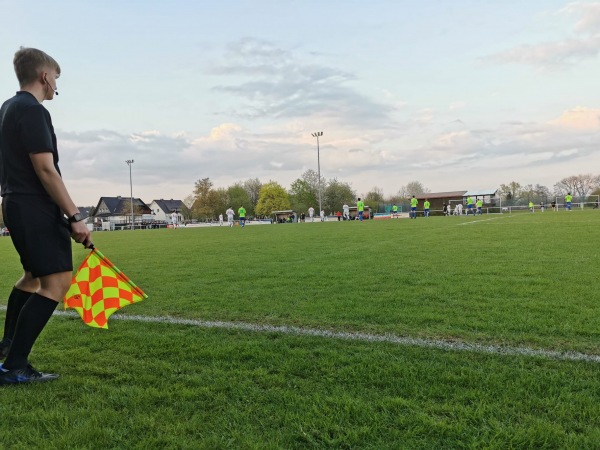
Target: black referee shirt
(25,128)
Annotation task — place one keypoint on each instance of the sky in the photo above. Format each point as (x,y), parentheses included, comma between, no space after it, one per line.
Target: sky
(455,94)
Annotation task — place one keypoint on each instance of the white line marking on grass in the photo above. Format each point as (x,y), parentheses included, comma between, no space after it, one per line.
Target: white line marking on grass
(362,337)
(484,220)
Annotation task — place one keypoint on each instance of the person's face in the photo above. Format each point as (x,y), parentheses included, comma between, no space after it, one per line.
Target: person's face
(49,78)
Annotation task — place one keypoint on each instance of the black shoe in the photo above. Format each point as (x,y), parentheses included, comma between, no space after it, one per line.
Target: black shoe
(26,375)
(4,347)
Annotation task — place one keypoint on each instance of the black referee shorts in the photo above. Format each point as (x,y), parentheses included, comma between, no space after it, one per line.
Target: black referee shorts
(40,233)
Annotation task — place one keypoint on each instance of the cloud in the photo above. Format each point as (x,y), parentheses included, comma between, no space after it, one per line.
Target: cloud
(556,54)
(444,155)
(579,118)
(551,54)
(590,16)
(455,106)
(276,83)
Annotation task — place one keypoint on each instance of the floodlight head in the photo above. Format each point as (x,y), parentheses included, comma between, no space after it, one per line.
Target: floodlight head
(317,134)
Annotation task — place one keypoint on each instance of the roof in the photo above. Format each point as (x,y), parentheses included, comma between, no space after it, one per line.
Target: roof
(84,211)
(115,206)
(481,193)
(448,194)
(169,206)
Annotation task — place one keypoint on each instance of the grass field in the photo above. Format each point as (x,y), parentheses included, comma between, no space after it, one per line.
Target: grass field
(515,282)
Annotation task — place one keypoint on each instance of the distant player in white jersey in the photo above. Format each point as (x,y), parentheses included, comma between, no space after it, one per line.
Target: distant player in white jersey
(229,213)
(346,209)
(220,220)
(174,219)
(322,214)
(311,214)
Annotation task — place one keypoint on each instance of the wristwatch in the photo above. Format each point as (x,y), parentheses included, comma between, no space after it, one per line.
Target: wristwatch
(75,218)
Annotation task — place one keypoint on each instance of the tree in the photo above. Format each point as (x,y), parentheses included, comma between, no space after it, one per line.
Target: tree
(510,191)
(186,208)
(201,208)
(543,193)
(273,197)
(374,197)
(585,183)
(216,202)
(202,188)
(336,194)
(189,200)
(312,179)
(125,209)
(237,196)
(566,185)
(302,195)
(412,188)
(528,193)
(252,187)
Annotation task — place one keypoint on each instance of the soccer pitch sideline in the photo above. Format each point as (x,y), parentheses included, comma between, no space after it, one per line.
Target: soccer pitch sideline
(518,292)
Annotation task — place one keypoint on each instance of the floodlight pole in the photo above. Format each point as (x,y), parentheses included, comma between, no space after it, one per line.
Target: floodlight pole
(317,134)
(129,163)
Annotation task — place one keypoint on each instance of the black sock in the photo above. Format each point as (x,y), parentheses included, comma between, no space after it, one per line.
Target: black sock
(16,301)
(33,318)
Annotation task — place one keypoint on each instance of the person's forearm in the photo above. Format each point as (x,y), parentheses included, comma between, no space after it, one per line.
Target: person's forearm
(56,189)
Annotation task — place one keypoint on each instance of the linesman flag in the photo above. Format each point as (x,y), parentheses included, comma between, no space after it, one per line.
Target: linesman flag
(99,288)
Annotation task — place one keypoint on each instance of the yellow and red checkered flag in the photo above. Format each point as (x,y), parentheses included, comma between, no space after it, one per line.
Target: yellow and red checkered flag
(99,288)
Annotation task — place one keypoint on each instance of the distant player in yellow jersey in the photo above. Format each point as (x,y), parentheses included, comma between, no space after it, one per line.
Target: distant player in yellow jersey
(360,206)
(413,207)
(242,216)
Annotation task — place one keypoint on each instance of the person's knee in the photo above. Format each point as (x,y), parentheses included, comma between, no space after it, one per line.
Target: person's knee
(55,286)
(28,283)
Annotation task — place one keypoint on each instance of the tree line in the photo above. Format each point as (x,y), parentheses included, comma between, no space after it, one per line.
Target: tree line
(261,199)
(580,186)
(207,201)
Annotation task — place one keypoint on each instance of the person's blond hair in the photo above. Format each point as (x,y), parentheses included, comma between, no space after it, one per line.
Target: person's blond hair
(29,62)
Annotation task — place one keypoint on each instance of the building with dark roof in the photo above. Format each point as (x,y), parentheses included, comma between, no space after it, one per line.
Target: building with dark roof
(117,210)
(162,209)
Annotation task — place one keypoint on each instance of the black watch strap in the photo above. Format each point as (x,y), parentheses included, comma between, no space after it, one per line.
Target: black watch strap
(75,218)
